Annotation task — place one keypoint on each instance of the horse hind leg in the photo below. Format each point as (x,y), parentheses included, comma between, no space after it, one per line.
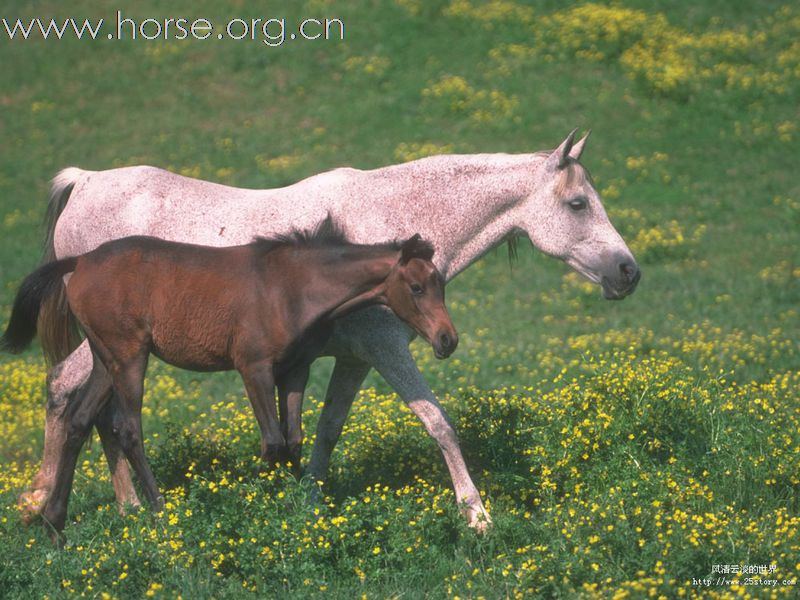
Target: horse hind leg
(67,385)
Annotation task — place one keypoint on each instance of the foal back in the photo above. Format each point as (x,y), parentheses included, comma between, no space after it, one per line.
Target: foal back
(189,305)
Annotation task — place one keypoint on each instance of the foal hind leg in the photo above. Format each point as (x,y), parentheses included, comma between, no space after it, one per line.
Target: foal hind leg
(291,387)
(126,421)
(78,419)
(67,384)
(116,459)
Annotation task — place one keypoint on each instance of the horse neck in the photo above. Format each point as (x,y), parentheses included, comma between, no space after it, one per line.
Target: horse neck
(465,205)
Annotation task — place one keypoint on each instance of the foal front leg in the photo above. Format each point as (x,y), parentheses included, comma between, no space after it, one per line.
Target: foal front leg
(259,382)
(291,387)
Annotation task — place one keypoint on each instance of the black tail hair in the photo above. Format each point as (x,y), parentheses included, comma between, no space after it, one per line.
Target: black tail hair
(35,289)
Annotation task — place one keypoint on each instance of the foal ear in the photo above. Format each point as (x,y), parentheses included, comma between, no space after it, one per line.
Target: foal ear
(558,159)
(580,145)
(415,247)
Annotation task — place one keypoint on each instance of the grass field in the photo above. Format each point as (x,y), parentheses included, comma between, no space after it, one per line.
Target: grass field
(623,449)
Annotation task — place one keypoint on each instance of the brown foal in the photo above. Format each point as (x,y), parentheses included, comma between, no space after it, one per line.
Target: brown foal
(265,309)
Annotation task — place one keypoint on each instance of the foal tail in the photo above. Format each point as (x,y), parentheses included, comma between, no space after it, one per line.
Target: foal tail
(35,290)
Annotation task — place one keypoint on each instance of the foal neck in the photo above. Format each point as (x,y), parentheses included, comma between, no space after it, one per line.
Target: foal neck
(343,278)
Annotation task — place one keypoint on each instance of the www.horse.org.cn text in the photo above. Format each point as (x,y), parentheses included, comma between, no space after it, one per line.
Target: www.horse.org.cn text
(271,31)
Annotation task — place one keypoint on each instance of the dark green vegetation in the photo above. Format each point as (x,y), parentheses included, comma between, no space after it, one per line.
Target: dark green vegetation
(623,447)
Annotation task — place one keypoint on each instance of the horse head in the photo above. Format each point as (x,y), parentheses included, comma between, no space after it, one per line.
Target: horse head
(564,218)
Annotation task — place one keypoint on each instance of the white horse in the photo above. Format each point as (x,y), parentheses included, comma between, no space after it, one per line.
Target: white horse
(464,204)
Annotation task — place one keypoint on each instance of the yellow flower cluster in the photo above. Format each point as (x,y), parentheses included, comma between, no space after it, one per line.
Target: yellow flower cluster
(490,11)
(412,7)
(284,162)
(634,456)
(374,65)
(650,241)
(673,61)
(21,407)
(456,95)
(781,273)
(407,152)
(665,58)
(598,32)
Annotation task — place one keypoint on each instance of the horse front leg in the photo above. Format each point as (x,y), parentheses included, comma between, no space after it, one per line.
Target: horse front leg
(377,338)
(346,379)
(291,387)
(67,385)
(394,362)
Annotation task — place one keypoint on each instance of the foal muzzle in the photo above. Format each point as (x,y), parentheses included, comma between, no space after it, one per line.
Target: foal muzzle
(444,344)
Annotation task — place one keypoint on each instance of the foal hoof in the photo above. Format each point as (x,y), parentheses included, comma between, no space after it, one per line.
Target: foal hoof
(31,503)
(57,538)
(274,455)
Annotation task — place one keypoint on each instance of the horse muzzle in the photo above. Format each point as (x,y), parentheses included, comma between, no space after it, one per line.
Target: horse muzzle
(623,283)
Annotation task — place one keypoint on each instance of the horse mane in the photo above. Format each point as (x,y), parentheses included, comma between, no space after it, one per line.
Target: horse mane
(328,233)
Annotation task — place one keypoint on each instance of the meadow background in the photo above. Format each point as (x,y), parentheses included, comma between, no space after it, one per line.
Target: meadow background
(623,449)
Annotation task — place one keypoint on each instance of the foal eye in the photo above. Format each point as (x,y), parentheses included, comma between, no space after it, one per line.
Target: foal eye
(416,289)
(578,204)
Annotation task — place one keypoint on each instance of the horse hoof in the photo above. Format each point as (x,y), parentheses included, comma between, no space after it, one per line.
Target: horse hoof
(128,507)
(31,503)
(479,520)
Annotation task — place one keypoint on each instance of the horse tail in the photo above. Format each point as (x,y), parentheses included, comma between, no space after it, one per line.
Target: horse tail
(35,289)
(58,328)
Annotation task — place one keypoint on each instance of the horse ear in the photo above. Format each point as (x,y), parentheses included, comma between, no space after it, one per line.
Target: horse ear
(576,150)
(415,247)
(558,159)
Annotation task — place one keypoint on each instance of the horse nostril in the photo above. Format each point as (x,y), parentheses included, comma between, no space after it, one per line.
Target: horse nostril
(628,270)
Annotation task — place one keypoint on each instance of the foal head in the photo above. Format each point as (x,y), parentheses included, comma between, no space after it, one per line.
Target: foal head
(415,292)
(565,218)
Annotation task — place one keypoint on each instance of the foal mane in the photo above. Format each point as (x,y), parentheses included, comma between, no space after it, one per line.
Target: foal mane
(329,233)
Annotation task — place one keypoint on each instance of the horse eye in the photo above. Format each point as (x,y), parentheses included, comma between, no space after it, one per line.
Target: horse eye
(577,204)
(416,289)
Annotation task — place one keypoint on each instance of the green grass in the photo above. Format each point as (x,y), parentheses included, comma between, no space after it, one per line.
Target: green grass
(696,374)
